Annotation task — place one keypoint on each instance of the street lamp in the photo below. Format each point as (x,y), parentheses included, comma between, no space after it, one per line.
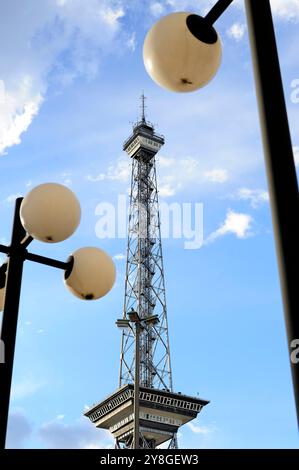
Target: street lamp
(140,324)
(49,213)
(182,53)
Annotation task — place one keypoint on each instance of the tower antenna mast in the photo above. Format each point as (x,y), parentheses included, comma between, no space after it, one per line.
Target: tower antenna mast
(143,107)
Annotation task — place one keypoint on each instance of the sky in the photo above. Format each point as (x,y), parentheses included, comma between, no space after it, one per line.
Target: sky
(71,74)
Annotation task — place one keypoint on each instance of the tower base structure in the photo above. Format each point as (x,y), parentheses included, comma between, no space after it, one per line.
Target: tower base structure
(161,414)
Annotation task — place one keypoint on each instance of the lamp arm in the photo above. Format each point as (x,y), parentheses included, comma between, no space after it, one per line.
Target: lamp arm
(217,10)
(26,241)
(49,261)
(4,249)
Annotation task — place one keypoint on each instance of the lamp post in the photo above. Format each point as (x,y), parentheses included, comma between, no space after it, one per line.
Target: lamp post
(280,165)
(50,213)
(182,53)
(140,324)
(136,384)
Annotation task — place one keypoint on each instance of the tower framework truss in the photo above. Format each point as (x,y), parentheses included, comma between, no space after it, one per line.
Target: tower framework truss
(161,411)
(144,282)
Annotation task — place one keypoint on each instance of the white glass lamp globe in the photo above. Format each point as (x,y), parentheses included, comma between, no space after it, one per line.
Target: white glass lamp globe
(50,212)
(182,52)
(92,274)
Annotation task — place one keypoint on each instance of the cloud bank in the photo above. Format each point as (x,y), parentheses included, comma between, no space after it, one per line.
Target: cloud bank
(56,41)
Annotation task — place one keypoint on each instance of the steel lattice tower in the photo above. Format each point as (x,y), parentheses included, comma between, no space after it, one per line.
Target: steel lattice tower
(144,282)
(161,411)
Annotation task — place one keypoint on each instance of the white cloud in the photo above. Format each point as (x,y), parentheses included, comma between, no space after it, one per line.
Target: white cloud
(236,31)
(17,111)
(119,172)
(92,18)
(119,257)
(296,155)
(217,175)
(79,435)
(67,178)
(199,429)
(60,417)
(111,16)
(25,388)
(11,198)
(2,92)
(131,42)
(55,41)
(176,175)
(19,429)
(56,434)
(169,182)
(173,175)
(235,223)
(286,9)
(156,8)
(185,5)
(165,162)
(256,197)
(169,189)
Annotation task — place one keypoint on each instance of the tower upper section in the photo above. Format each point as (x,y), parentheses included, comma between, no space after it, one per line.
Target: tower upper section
(144,142)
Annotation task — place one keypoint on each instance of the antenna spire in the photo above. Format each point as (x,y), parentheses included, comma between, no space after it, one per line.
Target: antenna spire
(143,107)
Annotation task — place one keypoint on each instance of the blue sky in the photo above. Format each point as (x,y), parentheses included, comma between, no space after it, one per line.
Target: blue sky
(71,74)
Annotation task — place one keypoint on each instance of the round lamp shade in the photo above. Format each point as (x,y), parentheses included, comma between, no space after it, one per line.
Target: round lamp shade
(182,52)
(92,274)
(50,213)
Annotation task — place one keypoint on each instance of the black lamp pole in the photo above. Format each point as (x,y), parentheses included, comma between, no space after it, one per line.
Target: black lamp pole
(136,385)
(217,10)
(280,166)
(10,316)
(17,254)
(279,159)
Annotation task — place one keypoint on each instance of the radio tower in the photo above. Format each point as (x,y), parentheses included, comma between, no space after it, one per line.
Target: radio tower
(145,355)
(144,284)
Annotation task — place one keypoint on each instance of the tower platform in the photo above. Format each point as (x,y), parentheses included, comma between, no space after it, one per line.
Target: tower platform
(161,414)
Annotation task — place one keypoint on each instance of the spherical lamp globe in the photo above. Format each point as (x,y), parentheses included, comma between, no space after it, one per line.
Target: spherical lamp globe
(50,212)
(91,275)
(182,52)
